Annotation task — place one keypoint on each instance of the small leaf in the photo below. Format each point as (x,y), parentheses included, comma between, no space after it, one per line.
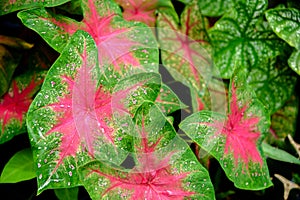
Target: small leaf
(278,154)
(67,193)
(285,22)
(8,6)
(19,168)
(294,61)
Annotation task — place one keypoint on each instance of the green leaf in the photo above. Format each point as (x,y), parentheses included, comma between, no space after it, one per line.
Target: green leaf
(8,6)
(67,193)
(294,61)
(215,8)
(168,100)
(238,40)
(234,139)
(19,168)
(286,24)
(273,82)
(284,122)
(278,154)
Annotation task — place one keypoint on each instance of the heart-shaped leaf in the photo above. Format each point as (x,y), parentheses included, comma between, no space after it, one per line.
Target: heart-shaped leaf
(15,103)
(80,101)
(102,20)
(165,167)
(183,51)
(237,41)
(234,139)
(285,22)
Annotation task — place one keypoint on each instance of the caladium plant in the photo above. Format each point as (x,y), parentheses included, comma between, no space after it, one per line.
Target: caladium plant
(165,167)
(15,104)
(235,139)
(102,119)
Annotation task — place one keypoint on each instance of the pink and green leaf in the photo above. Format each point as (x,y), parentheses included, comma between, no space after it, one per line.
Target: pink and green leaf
(15,104)
(142,11)
(235,139)
(102,20)
(183,49)
(165,167)
(8,6)
(72,120)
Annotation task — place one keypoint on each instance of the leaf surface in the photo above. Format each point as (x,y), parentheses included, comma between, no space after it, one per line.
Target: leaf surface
(165,168)
(237,40)
(143,11)
(81,101)
(285,23)
(19,168)
(234,139)
(102,20)
(184,51)
(15,104)
(8,6)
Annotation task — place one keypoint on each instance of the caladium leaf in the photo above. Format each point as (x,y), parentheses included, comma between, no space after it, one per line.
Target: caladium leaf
(15,103)
(294,61)
(182,52)
(237,41)
(168,100)
(79,101)
(8,6)
(215,8)
(285,23)
(234,139)
(102,20)
(273,84)
(143,11)
(165,167)
(284,122)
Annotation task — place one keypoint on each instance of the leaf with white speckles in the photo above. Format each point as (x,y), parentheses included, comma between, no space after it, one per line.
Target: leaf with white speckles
(165,167)
(8,6)
(285,22)
(235,139)
(103,21)
(215,8)
(15,103)
(294,61)
(238,40)
(73,119)
(183,50)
